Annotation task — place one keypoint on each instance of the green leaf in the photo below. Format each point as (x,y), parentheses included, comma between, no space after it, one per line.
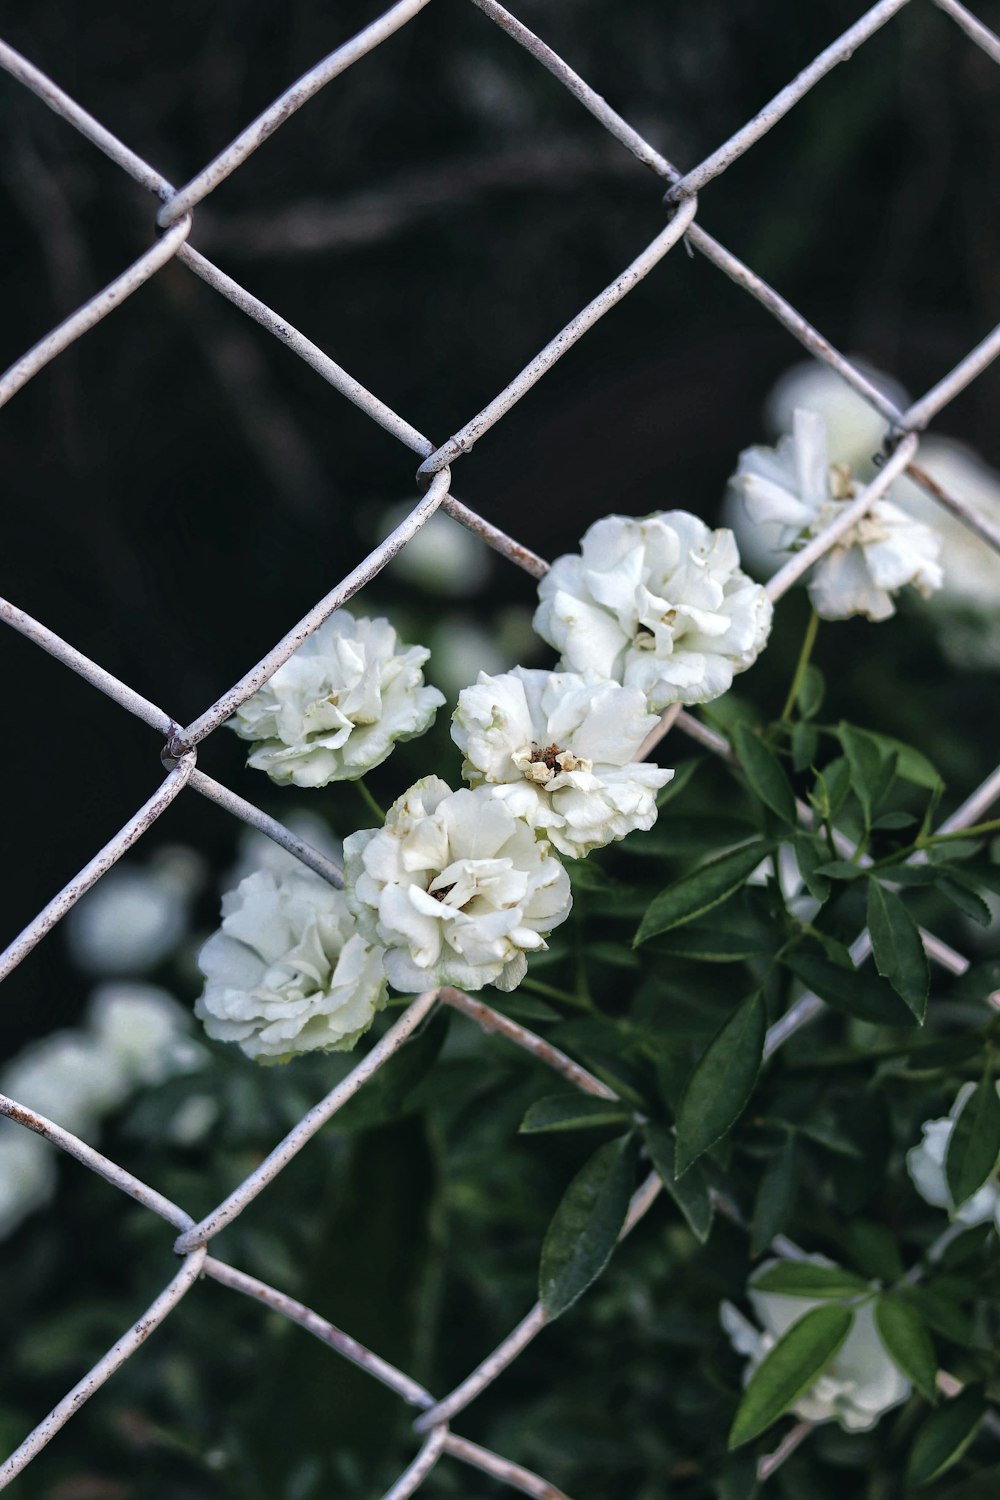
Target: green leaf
(809,855)
(801,1278)
(710,945)
(717,1091)
(890,821)
(871,771)
(840,869)
(832,786)
(585,1227)
(897,948)
(975,1142)
(574,1111)
(911,764)
(875,1249)
(858,992)
(775,1197)
(811,692)
(805,745)
(944,1438)
(690,1192)
(708,886)
(904,1334)
(962,893)
(798,1358)
(765,774)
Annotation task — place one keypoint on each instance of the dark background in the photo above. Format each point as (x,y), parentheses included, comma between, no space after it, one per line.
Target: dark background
(179,488)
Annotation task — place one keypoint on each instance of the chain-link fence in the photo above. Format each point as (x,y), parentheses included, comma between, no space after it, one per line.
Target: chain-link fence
(175,219)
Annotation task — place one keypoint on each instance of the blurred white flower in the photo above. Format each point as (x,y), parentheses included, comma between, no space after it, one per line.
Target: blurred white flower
(794,485)
(559,751)
(925,1164)
(136,915)
(257,852)
(455,887)
(27,1174)
(145,1030)
(444,557)
(338,705)
(69,1077)
(660,604)
(287,972)
(860,1383)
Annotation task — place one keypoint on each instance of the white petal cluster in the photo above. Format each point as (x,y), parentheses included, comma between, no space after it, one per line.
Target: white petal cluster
(288,972)
(795,487)
(926,1166)
(660,604)
(136,916)
(859,1384)
(455,888)
(338,705)
(559,751)
(135,1035)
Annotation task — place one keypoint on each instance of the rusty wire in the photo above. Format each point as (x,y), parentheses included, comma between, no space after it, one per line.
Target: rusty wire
(175,220)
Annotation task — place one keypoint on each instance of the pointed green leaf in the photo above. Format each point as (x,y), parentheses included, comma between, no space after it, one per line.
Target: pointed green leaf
(798,1358)
(679,780)
(585,1227)
(912,765)
(697,893)
(811,690)
(897,948)
(690,1192)
(801,1278)
(859,992)
(809,855)
(574,1111)
(944,1438)
(775,1197)
(717,1091)
(871,770)
(805,745)
(975,1142)
(963,894)
(709,945)
(904,1334)
(765,774)
(876,1250)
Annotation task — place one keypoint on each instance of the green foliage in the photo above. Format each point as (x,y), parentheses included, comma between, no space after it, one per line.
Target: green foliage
(974,1146)
(797,1359)
(945,1437)
(585,1227)
(720,1085)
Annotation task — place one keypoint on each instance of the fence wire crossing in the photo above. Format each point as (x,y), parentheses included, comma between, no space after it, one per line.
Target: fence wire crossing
(175,221)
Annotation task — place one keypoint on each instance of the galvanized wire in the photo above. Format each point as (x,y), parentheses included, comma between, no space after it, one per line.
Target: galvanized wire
(174,220)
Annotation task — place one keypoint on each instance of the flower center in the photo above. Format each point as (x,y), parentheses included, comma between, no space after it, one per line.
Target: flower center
(445,890)
(842,485)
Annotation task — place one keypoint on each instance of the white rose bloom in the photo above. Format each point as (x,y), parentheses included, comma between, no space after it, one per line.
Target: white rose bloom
(860,1383)
(925,1164)
(136,915)
(27,1174)
(146,1031)
(338,705)
(560,752)
(287,972)
(455,887)
(659,604)
(795,486)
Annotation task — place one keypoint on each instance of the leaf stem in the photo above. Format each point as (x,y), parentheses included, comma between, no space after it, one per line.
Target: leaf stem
(808,641)
(369,800)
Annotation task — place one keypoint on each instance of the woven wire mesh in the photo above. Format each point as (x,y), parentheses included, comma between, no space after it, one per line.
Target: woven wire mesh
(175,217)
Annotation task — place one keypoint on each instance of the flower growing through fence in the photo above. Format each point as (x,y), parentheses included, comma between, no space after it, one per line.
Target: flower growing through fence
(455,888)
(560,752)
(926,1165)
(796,486)
(338,705)
(860,1382)
(660,604)
(288,972)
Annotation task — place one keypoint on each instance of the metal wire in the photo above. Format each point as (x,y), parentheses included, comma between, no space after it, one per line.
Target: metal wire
(174,220)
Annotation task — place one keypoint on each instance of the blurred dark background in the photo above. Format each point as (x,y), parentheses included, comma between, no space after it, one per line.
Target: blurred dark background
(179,488)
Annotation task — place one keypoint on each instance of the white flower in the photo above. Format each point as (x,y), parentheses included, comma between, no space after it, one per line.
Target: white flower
(145,1030)
(659,604)
(338,705)
(795,486)
(69,1077)
(861,1381)
(560,751)
(925,1164)
(455,887)
(443,557)
(287,972)
(136,915)
(27,1174)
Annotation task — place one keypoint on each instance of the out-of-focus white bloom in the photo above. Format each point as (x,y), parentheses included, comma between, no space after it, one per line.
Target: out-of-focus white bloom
(560,752)
(145,1030)
(444,557)
(338,705)
(136,915)
(659,603)
(455,887)
(68,1077)
(795,486)
(287,972)
(257,852)
(860,1383)
(925,1164)
(193,1119)
(27,1174)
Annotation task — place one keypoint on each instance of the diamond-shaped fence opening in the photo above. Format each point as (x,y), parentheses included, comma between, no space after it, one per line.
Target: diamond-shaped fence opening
(438,465)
